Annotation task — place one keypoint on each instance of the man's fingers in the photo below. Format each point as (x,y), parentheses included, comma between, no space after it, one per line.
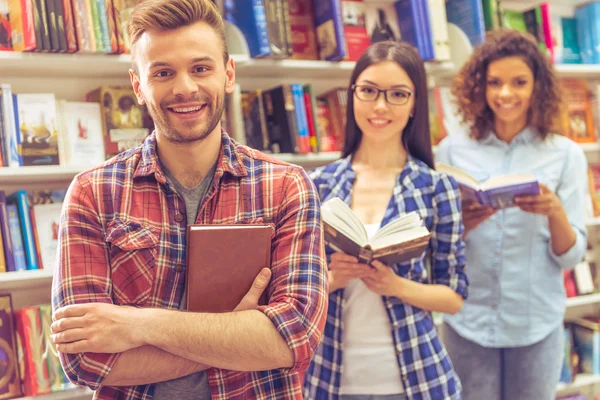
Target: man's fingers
(82,346)
(72,335)
(64,324)
(76,310)
(343,257)
(250,300)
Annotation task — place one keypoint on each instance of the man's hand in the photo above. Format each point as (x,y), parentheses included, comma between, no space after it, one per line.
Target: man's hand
(342,269)
(474,214)
(108,328)
(546,203)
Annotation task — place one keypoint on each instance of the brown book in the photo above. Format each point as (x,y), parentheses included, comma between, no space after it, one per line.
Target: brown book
(222,263)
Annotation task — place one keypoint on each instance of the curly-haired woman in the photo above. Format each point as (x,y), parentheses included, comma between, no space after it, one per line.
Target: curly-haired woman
(506,343)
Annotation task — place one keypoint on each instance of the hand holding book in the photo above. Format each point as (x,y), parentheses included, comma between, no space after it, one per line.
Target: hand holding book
(343,268)
(546,203)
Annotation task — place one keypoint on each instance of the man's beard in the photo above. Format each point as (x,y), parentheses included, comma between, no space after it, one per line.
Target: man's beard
(198,130)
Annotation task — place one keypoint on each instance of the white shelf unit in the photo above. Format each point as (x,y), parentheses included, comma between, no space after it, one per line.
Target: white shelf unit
(72,394)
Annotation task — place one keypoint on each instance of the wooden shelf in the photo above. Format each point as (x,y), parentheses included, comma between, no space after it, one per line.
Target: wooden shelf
(72,394)
(24,279)
(590,147)
(581,381)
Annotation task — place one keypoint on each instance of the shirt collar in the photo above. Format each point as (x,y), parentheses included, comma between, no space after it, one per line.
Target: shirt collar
(526,136)
(230,159)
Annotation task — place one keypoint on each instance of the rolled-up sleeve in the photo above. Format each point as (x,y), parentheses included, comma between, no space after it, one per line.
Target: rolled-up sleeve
(298,293)
(447,245)
(82,275)
(571,191)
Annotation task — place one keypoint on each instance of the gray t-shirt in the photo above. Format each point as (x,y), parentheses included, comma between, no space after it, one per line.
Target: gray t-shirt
(195,386)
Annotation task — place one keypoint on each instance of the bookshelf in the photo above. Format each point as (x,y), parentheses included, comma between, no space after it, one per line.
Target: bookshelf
(73,394)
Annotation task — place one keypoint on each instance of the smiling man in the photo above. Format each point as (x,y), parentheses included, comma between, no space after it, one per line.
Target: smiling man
(119,285)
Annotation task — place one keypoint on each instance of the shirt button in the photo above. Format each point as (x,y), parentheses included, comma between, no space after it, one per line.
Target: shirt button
(404,377)
(178,217)
(179,268)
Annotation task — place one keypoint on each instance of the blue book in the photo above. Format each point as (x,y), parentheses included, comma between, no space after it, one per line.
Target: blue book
(468,16)
(330,30)
(6,236)
(425,29)
(497,192)
(15,103)
(584,35)
(21,200)
(586,338)
(15,235)
(409,19)
(301,118)
(567,44)
(250,17)
(593,15)
(11,136)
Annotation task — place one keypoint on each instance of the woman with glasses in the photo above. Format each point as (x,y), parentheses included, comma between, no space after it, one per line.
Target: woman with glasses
(507,341)
(380,340)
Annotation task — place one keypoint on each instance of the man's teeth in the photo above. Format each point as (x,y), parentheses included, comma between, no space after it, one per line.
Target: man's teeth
(187,109)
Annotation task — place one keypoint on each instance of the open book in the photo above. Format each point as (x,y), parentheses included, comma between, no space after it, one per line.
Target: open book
(497,192)
(401,240)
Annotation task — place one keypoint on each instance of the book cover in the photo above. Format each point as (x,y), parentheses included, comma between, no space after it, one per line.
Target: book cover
(330,30)
(355,30)
(38,27)
(10,382)
(578,121)
(302,138)
(255,122)
(281,119)
(491,14)
(44,25)
(498,192)
(549,37)
(125,123)
(250,17)
(514,20)
(9,257)
(22,25)
(586,337)
(533,22)
(125,12)
(438,28)
(29,329)
(399,241)
(47,206)
(82,133)
(69,26)
(311,117)
(113,42)
(14,229)
(325,129)
(382,21)
(216,280)
(276,28)
(303,31)
(104,29)
(468,16)
(82,33)
(337,101)
(60,25)
(11,138)
(96,25)
(584,36)
(408,18)
(21,200)
(569,365)
(5,28)
(566,44)
(56,376)
(38,129)
(52,26)
(117,6)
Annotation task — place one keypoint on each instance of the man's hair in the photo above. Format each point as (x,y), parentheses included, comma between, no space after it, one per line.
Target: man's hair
(173,14)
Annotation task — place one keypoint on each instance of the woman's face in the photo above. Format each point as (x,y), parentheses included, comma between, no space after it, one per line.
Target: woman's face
(509,88)
(379,120)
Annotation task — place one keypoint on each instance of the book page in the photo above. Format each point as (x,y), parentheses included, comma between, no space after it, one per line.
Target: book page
(408,221)
(507,180)
(399,237)
(459,175)
(340,216)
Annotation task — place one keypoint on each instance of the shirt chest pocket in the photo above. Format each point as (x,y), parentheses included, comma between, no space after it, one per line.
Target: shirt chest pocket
(132,261)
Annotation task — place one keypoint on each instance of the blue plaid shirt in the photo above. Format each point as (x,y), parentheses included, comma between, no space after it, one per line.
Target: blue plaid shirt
(427,373)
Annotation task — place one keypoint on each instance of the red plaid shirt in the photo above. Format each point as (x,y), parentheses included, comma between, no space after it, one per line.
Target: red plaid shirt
(122,241)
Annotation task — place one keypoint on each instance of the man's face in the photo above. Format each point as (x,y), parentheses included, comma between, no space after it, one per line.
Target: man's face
(182,78)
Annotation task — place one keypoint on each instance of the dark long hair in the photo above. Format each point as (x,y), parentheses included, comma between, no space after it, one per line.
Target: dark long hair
(416,137)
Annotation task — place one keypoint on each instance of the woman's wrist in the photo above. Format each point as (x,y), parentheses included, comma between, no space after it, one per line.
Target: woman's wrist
(400,286)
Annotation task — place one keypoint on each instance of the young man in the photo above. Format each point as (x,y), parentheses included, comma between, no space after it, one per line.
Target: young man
(122,238)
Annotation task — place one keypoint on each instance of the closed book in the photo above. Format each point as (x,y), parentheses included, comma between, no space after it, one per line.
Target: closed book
(280,114)
(330,30)
(302,26)
(29,329)
(10,384)
(14,229)
(222,263)
(21,200)
(5,234)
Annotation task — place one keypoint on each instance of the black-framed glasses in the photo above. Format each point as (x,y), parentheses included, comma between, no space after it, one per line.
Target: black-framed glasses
(393,96)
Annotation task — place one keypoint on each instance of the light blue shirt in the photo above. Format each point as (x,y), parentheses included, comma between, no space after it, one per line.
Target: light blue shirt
(517,295)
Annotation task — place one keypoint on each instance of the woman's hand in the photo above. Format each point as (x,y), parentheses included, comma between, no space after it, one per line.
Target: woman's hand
(342,269)
(474,214)
(383,280)
(546,203)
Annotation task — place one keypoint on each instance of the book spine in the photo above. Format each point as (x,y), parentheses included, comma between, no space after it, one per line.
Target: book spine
(18,129)
(43,11)
(10,128)
(332,43)
(36,238)
(2,254)
(112,29)
(16,237)
(6,236)
(69,26)
(60,25)
(95,25)
(104,31)
(22,202)
(38,26)
(117,6)
(301,120)
(35,379)
(250,17)
(310,120)
(3,148)
(52,26)
(56,376)
(5,28)
(287,27)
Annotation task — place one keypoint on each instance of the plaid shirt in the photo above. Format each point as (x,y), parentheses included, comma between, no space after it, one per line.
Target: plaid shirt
(122,241)
(427,372)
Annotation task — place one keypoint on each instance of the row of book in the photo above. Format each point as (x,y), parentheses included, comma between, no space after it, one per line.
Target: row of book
(29,224)
(67,26)
(582,348)
(28,359)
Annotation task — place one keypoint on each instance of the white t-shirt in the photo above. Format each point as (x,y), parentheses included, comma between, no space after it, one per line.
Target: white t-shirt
(369,363)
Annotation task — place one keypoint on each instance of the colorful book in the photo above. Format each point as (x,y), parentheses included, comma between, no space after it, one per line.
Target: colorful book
(586,338)
(69,26)
(22,25)
(29,329)
(355,31)
(578,121)
(56,377)
(14,228)
(302,26)
(47,207)
(5,28)
(83,138)
(281,119)
(250,18)
(497,192)
(468,16)
(10,384)
(302,137)
(330,30)
(21,200)
(566,42)
(5,233)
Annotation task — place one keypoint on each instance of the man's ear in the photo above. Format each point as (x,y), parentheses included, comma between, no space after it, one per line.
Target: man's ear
(135,84)
(230,76)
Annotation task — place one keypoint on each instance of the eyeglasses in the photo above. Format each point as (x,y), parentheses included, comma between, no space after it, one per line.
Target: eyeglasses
(395,97)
